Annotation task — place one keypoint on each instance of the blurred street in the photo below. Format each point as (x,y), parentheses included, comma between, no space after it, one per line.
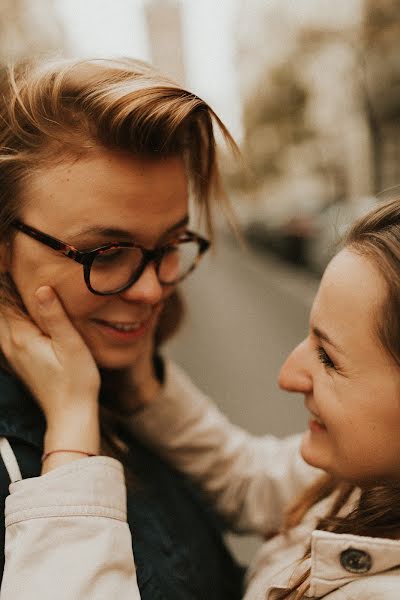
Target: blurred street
(246,311)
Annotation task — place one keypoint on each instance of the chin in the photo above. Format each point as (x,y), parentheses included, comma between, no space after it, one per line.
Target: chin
(115,360)
(312,455)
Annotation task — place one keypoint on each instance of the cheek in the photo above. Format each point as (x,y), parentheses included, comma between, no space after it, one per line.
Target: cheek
(29,274)
(77,301)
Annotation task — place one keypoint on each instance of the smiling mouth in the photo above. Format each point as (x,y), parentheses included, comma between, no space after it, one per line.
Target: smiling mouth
(124,331)
(123,326)
(317,419)
(315,423)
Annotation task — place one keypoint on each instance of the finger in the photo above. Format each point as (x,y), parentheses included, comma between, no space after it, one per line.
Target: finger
(4,324)
(4,333)
(14,323)
(56,323)
(17,334)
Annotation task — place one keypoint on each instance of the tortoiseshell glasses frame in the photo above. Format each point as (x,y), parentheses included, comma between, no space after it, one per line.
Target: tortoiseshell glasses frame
(146,256)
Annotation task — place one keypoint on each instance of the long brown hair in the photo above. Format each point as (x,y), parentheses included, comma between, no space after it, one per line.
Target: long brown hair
(53,109)
(377,511)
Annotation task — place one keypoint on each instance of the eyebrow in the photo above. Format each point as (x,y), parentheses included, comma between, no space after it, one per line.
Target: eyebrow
(115,233)
(324,336)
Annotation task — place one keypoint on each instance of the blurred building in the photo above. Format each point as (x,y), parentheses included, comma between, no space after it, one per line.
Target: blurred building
(164,26)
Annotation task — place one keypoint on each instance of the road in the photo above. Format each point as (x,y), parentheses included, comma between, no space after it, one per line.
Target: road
(246,312)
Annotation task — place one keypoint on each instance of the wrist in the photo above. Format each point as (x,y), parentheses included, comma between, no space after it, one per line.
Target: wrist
(74,430)
(57,458)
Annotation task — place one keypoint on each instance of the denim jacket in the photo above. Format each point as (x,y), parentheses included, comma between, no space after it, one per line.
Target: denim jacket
(177,537)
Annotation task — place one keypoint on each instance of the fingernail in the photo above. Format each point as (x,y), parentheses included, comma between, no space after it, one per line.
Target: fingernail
(45,296)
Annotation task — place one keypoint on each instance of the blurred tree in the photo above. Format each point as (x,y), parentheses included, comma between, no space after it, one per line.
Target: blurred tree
(332,106)
(280,131)
(274,119)
(375,73)
(380,44)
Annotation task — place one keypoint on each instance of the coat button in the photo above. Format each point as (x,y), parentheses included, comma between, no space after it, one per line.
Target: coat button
(355,561)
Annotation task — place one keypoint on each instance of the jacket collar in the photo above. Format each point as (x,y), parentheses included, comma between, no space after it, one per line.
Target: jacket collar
(20,416)
(337,559)
(332,554)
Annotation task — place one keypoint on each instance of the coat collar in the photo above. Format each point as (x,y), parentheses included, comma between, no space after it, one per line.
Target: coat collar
(332,555)
(337,559)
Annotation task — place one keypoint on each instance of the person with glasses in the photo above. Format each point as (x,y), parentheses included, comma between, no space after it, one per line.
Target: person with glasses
(98,161)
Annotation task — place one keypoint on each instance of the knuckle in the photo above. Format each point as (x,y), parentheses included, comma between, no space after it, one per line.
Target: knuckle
(17,339)
(6,348)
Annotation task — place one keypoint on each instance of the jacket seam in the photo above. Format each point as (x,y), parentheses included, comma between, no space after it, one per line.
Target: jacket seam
(74,511)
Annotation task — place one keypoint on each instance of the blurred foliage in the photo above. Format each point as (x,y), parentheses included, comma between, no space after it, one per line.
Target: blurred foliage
(379,45)
(274,119)
(381,21)
(276,113)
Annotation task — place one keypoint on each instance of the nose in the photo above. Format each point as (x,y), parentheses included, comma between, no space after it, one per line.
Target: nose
(295,376)
(147,289)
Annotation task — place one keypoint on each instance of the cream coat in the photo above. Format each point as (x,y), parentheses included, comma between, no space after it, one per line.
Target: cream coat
(67,535)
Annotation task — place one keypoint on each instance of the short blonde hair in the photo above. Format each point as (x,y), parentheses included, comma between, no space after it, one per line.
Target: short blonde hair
(72,106)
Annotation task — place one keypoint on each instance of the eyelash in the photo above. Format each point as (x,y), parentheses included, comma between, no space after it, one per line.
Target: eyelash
(325,359)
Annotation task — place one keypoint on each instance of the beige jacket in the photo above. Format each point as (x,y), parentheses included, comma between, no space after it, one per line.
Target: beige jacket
(67,535)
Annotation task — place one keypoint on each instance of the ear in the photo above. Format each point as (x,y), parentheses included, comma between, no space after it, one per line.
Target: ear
(4,256)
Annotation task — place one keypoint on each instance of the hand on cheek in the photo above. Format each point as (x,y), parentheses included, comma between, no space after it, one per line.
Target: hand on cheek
(54,363)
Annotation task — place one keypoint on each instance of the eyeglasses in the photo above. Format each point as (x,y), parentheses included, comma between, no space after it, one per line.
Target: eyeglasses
(116,266)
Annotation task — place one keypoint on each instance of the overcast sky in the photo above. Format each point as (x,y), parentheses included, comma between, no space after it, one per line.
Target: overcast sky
(118,27)
(115,27)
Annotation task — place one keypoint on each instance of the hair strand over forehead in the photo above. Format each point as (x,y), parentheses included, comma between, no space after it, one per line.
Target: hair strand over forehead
(61,107)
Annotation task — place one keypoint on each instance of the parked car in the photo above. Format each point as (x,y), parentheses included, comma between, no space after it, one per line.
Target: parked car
(288,238)
(310,239)
(329,228)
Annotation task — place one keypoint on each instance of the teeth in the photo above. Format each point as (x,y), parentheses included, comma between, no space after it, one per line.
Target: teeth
(316,418)
(126,326)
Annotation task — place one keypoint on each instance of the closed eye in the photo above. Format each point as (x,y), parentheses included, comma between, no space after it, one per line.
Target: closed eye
(113,254)
(324,358)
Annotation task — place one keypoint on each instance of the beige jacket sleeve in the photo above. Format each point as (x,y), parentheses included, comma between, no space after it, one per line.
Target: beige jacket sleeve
(67,535)
(250,480)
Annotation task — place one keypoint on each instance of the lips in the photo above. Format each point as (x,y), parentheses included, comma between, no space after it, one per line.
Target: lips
(123,332)
(315,423)
(316,418)
(126,326)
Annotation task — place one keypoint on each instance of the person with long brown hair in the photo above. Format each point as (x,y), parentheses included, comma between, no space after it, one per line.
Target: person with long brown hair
(98,160)
(340,540)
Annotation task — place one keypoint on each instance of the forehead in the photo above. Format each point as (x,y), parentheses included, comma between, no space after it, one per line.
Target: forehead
(108,188)
(349,300)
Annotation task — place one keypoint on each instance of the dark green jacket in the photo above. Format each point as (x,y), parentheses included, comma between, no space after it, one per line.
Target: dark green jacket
(178,546)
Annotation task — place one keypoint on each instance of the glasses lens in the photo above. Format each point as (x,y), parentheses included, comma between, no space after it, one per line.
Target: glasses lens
(178,261)
(114,268)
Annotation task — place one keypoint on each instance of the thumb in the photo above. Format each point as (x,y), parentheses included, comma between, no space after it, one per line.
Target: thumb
(55,322)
